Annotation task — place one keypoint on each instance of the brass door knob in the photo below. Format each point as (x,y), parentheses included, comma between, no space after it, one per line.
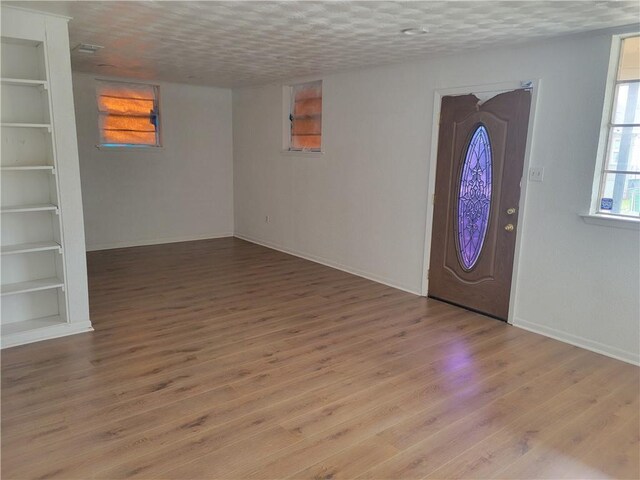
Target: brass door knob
(509,227)
(511,211)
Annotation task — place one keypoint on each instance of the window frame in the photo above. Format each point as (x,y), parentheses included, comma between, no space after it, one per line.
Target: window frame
(131,147)
(595,215)
(288,105)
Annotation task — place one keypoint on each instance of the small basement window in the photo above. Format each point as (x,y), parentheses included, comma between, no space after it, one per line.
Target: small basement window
(128,114)
(306,117)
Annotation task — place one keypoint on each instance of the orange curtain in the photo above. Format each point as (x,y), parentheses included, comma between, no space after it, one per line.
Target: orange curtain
(127,114)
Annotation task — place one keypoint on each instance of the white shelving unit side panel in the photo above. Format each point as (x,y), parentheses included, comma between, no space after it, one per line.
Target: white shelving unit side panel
(68,169)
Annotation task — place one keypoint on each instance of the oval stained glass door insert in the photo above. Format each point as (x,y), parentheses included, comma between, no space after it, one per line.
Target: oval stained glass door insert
(474,198)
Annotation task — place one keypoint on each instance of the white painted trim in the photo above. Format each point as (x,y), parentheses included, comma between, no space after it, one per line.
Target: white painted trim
(601,348)
(46,333)
(431,189)
(603,138)
(156,241)
(611,221)
(433,160)
(129,149)
(327,263)
(286,124)
(524,188)
(39,12)
(303,153)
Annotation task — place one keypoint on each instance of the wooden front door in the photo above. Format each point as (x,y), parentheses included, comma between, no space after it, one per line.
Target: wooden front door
(480,159)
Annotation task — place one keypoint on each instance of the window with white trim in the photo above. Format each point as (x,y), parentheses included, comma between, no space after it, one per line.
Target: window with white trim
(128,114)
(305,116)
(619,188)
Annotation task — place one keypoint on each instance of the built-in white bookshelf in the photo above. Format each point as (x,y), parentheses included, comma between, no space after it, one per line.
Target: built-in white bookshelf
(43,277)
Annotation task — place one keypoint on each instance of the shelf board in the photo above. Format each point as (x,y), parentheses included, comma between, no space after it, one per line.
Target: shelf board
(24,82)
(30,325)
(28,168)
(40,207)
(31,286)
(46,126)
(29,247)
(37,329)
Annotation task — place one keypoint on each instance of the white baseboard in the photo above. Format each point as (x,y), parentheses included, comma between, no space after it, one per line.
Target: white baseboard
(329,263)
(155,241)
(578,341)
(46,333)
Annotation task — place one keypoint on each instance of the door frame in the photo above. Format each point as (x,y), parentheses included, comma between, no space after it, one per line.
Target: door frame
(496,88)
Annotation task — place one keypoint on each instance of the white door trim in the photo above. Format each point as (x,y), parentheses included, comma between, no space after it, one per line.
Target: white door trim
(480,91)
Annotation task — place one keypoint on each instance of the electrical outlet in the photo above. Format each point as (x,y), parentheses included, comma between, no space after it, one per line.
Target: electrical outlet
(536,174)
(266,219)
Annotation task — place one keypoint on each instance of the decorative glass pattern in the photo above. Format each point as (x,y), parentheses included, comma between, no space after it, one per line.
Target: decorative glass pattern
(474,198)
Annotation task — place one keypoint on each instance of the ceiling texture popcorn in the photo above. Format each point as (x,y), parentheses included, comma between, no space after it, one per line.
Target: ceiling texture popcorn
(231,44)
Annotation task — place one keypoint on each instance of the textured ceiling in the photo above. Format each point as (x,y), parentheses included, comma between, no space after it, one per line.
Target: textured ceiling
(244,43)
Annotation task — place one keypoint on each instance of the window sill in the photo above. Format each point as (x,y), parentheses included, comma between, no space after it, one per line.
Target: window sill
(307,153)
(141,148)
(611,221)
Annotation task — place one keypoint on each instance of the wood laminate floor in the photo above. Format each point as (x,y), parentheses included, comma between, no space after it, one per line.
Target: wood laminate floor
(224,359)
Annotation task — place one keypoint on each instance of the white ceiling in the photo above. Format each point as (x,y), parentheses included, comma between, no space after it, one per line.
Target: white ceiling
(252,42)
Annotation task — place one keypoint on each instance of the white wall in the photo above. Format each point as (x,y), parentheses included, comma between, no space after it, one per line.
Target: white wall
(182,192)
(362,206)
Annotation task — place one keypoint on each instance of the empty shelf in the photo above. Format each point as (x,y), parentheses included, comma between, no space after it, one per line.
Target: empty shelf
(29,247)
(40,207)
(29,325)
(24,82)
(31,286)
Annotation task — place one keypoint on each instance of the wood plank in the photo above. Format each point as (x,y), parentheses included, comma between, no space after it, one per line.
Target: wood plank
(409,400)
(156,417)
(220,358)
(564,454)
(536,427)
